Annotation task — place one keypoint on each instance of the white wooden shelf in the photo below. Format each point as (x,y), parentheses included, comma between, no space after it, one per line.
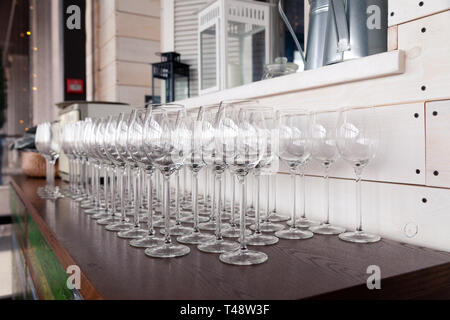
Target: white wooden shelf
(372,67)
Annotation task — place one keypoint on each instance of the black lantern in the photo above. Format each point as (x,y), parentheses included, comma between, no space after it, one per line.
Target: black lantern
(170,79)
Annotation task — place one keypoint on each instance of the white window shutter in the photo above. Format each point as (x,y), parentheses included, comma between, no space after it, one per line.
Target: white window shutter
(185,33)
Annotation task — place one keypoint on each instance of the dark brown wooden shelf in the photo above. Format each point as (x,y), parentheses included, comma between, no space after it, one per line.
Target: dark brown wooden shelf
(322,267)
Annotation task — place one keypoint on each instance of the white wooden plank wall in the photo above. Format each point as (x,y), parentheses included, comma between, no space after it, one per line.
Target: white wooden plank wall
(403,197)
(128,37)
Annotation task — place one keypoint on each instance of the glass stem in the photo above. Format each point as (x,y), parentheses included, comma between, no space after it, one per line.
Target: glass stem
(50,175)
(224,193)
(205,191)
(327,194)
(266,217)
(213,203)
(122,194)
(151,231)
(112,189)
(257,208)
(137,191)
(218,179)
(303,186)
(194,199)
(242,240)
(274,193)
(233,201)
(294,198)
(105,186)
(177,198)
(166,204)
(97,185)
(358,201)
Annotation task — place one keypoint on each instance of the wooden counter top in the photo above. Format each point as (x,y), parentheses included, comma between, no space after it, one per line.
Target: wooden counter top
(321,267)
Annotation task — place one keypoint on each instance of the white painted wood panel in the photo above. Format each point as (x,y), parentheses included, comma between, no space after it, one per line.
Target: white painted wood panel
(106,32)
(401,151)
(394,211)
(135,26)
(401,11)
(107,53)
(141,7)
(106,10)
(134,74)
(133,95)
(438,143)
(107,77)
(137,50)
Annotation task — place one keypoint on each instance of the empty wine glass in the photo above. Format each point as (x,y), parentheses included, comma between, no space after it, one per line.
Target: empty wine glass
(195,161)
(294,149)
(241,142)
(138,152)
(165,134)
(47,142)
(324,151)
(111,135)
(125,137)
(203,140)
(357,141)
(264,119)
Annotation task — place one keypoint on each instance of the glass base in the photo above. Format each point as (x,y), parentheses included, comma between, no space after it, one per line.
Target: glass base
(327,229)
(109,220)
(304,223)
(93,211)
(359,237)
(147,242)
(178,230)
(294,234)
(87,205)
(218,246)
(268,227)
(119,226)
(190,219)
(168,250)
(248,221)
(196,238)
(101,215)
(134,233)
(243,257)
(275,217)
(260,239)
(160,223)
(210,225)
(234,232)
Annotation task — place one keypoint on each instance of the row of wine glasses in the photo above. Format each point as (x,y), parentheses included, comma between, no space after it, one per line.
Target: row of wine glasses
(141,154)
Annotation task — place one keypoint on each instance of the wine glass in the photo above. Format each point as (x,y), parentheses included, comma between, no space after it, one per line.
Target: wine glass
(133,171)
(47,141)
(241,141)
(264,119)
(90,148)
(111,135)
(137,150)
(204,148)
(194,161)
(165,135)
(294,148)
(324,151)
(357,142)
(67,138)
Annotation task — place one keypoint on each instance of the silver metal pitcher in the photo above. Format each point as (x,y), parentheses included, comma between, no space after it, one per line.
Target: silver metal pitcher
(318,17)
(355,29)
